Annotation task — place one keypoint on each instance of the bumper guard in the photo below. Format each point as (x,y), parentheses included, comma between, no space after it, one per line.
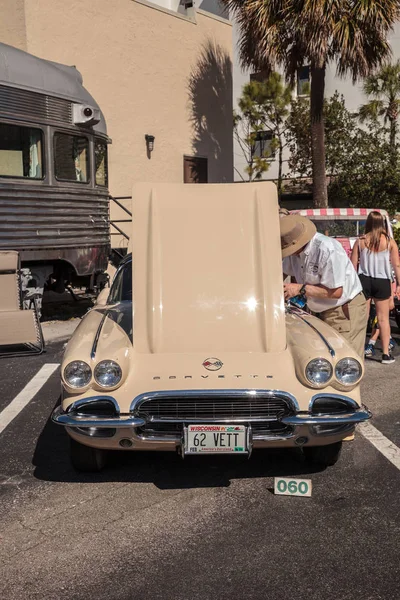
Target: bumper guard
(358,416)
(73,420)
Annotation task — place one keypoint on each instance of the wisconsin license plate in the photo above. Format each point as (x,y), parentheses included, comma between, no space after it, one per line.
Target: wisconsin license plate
(215,438)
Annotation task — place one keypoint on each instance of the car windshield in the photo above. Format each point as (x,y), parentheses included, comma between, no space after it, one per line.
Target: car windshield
(340,227)
(121,289)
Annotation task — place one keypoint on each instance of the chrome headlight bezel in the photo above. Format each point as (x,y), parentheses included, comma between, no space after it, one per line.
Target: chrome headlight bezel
(76,365)
(317,365)
(345,363)
(107,366)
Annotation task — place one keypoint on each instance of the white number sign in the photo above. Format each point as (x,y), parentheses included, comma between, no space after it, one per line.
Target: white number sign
(285,486)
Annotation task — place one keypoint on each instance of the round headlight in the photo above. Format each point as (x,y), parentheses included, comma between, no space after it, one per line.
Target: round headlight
(77,374)
(348,371)
(319,371)
(107,373)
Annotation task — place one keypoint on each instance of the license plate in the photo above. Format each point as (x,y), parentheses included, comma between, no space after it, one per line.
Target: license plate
(227,439)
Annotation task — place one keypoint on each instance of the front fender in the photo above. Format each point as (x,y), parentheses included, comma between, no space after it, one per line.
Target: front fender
(310,338)
(98,337)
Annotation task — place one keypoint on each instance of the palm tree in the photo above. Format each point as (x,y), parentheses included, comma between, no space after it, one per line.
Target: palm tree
(294,33)
(384,89)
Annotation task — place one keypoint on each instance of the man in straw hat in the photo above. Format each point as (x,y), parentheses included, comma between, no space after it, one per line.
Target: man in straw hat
(326,277)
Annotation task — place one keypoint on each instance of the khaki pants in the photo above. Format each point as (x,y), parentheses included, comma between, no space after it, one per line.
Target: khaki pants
(350,321)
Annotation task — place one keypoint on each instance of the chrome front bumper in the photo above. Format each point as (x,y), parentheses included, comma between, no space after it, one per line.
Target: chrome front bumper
(300,419)
(316,429)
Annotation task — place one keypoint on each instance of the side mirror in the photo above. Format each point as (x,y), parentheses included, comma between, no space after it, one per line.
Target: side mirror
(103,297)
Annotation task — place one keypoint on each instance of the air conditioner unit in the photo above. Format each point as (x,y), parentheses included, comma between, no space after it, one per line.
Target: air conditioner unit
(83,114)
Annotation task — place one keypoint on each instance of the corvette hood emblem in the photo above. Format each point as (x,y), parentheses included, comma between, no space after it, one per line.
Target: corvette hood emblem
(212,364)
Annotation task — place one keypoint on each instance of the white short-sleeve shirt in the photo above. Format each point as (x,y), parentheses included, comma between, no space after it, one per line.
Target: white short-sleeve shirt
(324,261)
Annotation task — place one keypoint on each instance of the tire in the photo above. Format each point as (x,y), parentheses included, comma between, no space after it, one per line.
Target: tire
(397,317)
(85,458)
(323,455)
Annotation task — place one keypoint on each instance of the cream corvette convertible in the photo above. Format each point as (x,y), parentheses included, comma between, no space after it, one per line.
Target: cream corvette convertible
(192,349)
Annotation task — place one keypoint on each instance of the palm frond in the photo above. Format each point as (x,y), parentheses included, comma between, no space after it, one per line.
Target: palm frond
(371,111)
(290,33)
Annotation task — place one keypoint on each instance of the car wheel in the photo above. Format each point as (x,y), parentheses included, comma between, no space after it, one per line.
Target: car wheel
(397,317)
(323,455)
(85,458)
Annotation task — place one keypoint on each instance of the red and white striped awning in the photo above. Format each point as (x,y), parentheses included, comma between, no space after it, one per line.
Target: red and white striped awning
(336,213)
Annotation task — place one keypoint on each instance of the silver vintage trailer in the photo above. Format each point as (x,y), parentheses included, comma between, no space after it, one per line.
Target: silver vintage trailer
(54,199)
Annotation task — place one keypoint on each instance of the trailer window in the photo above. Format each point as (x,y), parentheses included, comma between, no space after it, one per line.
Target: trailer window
(71,156)
(340,227)
(21,152)
(100,155)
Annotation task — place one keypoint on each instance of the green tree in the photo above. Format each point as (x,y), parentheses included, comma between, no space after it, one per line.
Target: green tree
(340,130)
(277,100)
(358,160)
(383,88)
(263,107)
(367,177)
(248,125)
(396,234)
(352,33)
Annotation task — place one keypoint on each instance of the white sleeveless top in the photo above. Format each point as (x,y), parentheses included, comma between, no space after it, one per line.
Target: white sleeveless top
(375,264)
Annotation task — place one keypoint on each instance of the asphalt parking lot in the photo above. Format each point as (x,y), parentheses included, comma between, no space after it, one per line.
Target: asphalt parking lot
(154,526)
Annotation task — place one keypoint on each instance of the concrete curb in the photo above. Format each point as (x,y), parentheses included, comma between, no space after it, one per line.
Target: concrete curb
(55,331)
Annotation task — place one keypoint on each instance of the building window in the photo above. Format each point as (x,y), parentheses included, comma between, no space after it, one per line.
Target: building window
(263,145)
(195,169)
(303,81)
(21,152)
(71,157)
(101,162)
(180,6)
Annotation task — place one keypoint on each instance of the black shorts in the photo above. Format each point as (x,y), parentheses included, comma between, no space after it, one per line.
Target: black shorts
(373,287)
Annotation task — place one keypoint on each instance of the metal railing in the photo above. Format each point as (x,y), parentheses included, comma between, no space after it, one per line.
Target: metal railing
(119,231)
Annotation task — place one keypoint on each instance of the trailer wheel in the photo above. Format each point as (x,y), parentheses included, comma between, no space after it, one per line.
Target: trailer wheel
(85,458)
(323,455)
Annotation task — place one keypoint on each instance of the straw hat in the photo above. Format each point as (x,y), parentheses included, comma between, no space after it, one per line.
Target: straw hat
(296,232)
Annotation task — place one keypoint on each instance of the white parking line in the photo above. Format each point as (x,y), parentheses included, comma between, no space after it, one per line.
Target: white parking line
(26,395)
(381,443)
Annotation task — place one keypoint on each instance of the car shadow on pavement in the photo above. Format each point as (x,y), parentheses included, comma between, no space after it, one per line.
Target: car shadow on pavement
(166,470)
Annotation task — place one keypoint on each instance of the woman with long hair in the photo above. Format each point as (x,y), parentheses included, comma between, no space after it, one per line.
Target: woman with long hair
(375,254)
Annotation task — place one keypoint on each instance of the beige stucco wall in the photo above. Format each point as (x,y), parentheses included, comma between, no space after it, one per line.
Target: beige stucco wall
(140,64)
(12,23)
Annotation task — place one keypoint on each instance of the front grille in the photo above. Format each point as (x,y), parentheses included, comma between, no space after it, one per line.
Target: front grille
(202,407)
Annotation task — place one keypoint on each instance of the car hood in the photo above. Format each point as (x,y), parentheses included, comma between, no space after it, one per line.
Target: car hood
(207,270)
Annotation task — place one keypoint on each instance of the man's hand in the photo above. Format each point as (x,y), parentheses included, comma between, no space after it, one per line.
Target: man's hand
(291,290)
(398,292)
